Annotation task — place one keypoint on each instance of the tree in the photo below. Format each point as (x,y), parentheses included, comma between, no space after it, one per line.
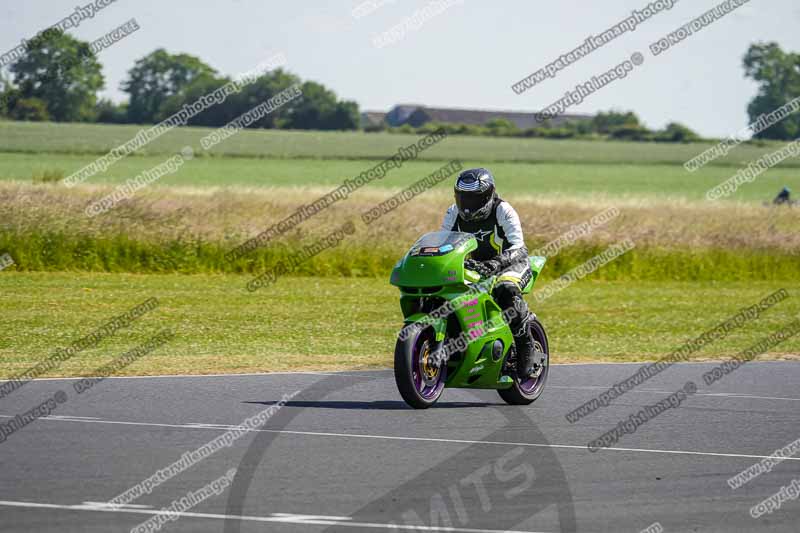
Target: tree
(344,117)
(158,76)
(253,94)
(32,109)
(580,127)
(7,93)
(501,127)
(319,109)
(778,75)
(630,132)
(264,88)
(676,133)
(606,122)
(107,112)
(215,116)
(62,72)
(7,98)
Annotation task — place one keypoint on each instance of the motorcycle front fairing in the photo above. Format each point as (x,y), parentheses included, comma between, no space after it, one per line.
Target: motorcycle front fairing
(432,273)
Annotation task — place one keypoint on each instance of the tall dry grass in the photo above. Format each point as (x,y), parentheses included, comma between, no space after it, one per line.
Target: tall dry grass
(190,229)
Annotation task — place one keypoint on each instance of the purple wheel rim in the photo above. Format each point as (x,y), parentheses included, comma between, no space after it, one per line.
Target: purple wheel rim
(530,385)
(430,388)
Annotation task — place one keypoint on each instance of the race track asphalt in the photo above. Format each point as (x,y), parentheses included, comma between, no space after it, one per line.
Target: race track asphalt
(346,454)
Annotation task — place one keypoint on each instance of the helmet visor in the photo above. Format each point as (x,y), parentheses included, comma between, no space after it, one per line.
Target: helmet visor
(470,204)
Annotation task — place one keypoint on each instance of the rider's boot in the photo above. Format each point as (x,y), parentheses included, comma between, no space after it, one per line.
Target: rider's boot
(509,295)
(526,367)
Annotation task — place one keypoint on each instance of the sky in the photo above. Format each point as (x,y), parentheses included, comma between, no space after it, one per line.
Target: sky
(467,53)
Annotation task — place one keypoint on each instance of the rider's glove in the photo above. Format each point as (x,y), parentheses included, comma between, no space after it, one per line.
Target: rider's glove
(471,264)
(491,266)
(484,268)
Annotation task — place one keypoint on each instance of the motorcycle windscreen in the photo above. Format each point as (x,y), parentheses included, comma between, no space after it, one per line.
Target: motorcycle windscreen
(439,242)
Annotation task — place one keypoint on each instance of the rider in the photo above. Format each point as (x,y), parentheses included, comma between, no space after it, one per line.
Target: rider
(501,251)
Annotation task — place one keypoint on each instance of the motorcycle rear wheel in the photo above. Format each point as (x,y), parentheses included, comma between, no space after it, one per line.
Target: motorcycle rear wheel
(528,391)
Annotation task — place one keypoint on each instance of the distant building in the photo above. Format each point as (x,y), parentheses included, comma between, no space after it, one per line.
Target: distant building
(417,115)
(399,114)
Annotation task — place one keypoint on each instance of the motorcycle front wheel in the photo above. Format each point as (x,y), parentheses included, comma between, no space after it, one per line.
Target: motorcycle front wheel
(419,378)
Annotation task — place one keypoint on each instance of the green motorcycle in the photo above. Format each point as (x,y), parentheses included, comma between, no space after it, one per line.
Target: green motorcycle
(455,334)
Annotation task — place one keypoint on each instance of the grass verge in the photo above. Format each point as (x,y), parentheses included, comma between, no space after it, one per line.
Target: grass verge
(333,323)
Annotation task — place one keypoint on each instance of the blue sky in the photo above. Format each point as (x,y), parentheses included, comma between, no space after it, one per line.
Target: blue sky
(469,55)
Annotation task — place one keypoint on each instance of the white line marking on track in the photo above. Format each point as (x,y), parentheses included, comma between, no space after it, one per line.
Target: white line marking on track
(753,396)
(656,391)
(311,517)
(70,417)
(420,439)
(107,505)
(208,426)
(275,517)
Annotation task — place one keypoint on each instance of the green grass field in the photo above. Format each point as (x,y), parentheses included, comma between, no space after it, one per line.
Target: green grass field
(99,139)
(695,262)
(305,323)
(267,158)
(541,179)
